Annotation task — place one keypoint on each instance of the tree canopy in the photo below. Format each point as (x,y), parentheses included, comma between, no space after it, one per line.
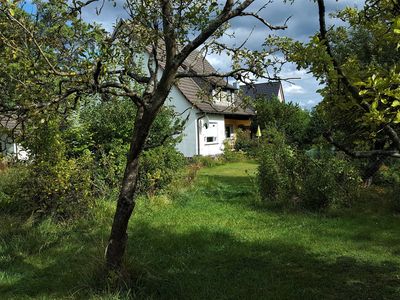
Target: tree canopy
(359,65)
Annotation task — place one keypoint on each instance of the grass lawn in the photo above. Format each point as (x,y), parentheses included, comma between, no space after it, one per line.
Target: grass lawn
(210,242)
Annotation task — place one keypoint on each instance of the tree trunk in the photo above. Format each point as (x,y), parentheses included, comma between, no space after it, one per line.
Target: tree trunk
(126,200)
(371,170)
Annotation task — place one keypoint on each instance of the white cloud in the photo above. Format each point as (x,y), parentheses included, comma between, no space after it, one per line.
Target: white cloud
(294,89)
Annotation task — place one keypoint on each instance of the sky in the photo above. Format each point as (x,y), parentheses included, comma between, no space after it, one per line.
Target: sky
(302,24)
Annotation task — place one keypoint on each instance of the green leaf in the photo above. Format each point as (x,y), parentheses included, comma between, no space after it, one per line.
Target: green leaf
(396,103)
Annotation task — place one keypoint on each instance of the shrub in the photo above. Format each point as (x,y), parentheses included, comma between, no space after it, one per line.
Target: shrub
(208,161)
(62,189)
(245,143)
(289,177)
(52,183)
(389,174)
(394,194)
(328,181)
(288,118)
(158,168)
(11,184)
(231,154)
(276,161)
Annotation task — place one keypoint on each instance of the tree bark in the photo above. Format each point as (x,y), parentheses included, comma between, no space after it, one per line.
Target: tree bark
(126,200)
(371,170)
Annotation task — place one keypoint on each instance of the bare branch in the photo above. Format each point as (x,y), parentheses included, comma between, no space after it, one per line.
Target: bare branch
(262,20)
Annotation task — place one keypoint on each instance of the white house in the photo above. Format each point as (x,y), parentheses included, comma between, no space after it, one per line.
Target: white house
(212,107)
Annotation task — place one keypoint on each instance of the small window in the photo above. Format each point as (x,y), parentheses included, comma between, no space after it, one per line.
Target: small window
(211,139)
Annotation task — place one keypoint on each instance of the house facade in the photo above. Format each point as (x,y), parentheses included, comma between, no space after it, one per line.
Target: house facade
(212,108)
(208,125)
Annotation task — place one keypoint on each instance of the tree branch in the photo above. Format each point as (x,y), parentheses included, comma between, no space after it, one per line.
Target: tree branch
(269,25)
(42,53)
(362,154)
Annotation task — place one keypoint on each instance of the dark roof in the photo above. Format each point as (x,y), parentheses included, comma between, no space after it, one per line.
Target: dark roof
(266,89)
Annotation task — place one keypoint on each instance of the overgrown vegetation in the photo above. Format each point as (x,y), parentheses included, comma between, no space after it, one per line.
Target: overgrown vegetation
(77,159)
(209,241)
(290,177)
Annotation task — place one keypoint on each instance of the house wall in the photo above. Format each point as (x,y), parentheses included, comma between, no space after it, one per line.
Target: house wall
(216,147)
(8,147)
(188,145)
(280,95)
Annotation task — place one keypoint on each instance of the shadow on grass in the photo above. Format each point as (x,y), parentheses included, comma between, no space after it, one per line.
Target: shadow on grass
(196,265)
(50,263)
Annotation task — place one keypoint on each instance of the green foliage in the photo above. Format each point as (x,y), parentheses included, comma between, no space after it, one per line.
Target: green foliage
(63,189)
(289,118)
(276,163)
(244,142)
(359,71)
(158,168)
(394,193)
(208,161)
(389,174)
(328,182)
(11,183)
(232,153)
(214,232)
(108,128)
(286,176)
(55,183)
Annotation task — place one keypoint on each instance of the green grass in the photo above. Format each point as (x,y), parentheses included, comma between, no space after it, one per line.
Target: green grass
(210,241)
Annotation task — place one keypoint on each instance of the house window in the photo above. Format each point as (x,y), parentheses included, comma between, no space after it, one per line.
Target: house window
(211,134)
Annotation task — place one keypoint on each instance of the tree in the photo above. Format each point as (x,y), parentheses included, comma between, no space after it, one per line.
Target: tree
(167,32)
(288,118)
(359,66)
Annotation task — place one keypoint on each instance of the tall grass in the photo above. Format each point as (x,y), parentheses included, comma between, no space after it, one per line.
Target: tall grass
(209,241)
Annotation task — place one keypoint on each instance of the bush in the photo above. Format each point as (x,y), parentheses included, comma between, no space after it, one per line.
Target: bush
(289,177)
(394,194)
(11,183)
(208,161)
(276,161)
(231,154)
(389,174)
(328,182)
(62,189)
(245,143)
(158,168)
(51,183)
(288,118)
(76,158)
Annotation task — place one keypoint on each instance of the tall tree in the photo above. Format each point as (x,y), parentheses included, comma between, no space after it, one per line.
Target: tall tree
(359,65)
(170,34)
